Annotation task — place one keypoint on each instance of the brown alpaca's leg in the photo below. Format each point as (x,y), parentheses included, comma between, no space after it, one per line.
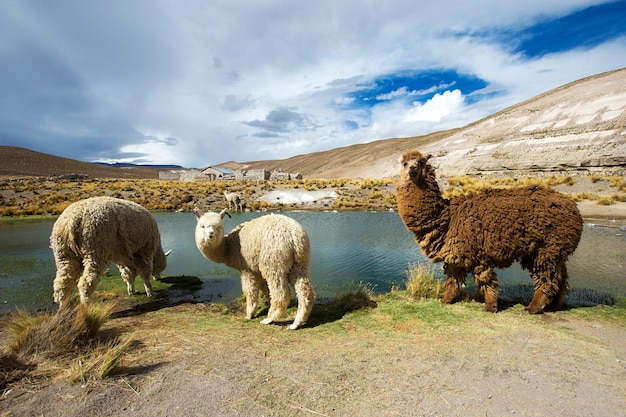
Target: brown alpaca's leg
(456,278)
(301,280)
(538,303)
(546,274)
(487,283)
(563,281)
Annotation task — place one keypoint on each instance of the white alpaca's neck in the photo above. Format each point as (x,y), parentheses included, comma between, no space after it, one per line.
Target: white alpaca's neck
(216,250)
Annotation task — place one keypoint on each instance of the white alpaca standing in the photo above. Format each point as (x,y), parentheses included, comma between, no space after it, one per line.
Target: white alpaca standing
(92,232)
(271,252)
(233,199)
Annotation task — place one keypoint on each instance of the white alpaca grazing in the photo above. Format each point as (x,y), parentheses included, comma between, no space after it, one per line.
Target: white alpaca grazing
(233,199)
(92,232)
(271,252)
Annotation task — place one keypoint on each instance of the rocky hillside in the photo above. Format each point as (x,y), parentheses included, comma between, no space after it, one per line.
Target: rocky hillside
(577,128)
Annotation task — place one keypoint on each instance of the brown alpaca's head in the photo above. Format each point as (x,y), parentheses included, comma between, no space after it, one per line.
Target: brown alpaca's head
(414,166)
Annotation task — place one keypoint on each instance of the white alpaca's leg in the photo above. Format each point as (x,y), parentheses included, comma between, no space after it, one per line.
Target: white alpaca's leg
(128,275)
(144,267)
(301,280)
(250,288)
(147,284)
(278,285)
(89,280)
(68,272)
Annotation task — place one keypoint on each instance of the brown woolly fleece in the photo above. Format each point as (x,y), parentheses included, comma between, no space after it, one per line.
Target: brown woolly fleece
(535,226)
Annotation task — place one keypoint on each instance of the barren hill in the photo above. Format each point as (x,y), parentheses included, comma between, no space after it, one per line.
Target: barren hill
(579,127)
(20,161)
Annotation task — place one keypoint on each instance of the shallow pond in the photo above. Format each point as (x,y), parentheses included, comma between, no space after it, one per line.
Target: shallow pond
(347,248)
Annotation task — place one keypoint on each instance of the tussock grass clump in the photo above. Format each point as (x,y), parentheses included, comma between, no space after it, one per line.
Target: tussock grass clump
(68,341)
(359,298)
(56,335)
(422,283)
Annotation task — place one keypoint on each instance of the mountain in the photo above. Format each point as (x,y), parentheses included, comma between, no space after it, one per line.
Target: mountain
(20,161)
(579,127)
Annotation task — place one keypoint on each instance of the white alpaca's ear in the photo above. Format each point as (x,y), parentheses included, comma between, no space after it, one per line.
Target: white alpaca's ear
(168,252)
(223,214)
(197,212)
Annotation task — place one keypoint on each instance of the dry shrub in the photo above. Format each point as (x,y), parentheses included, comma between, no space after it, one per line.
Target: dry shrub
(56,335)
(69,339)
(422,283)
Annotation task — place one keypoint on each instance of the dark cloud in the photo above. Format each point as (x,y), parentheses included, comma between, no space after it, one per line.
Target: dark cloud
(283,120)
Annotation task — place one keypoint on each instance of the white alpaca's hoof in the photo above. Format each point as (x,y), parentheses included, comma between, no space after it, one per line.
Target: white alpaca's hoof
(293,326)
(266,321)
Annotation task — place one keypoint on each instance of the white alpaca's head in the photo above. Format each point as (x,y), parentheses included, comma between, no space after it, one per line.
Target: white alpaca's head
(209,229)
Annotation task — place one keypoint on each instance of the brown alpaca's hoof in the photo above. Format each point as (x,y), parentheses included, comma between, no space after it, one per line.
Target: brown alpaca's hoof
(447,299)
(533,310)
(491,308)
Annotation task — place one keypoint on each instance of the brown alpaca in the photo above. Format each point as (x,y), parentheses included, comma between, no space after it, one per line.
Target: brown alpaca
(537,227)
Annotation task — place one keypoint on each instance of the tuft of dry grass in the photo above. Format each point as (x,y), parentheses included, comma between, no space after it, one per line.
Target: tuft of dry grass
(56,335)
(69,342)
(422,283)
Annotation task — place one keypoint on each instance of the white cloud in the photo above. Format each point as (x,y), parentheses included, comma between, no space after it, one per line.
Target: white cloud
(400,92)
(437,108)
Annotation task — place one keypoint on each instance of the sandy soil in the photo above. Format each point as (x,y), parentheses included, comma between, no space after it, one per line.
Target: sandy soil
(592,210)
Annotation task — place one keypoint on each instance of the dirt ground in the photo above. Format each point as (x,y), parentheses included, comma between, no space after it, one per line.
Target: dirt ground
(454,361)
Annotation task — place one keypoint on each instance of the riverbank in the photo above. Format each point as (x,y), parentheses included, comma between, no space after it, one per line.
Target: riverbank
(591,210)
(396,357)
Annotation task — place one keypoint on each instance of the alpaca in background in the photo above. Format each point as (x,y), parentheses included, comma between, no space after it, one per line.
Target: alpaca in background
(233,199)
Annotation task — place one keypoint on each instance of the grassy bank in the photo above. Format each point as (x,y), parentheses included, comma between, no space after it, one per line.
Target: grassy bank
(82,345)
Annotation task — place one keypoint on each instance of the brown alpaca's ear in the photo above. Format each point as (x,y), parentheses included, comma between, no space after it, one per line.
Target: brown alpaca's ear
(425,166)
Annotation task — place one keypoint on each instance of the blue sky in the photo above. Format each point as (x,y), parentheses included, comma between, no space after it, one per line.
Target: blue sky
(196,83)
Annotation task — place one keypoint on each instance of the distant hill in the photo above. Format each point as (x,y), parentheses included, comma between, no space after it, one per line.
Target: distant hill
(577,128)
(150,166)
(20,161)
